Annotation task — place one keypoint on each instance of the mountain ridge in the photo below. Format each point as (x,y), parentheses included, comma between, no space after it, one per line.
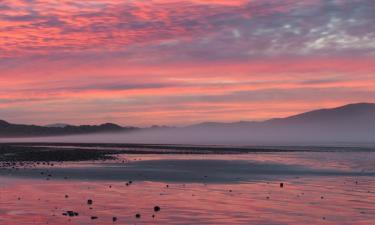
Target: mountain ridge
(20,130)
(355,107)
(352,121)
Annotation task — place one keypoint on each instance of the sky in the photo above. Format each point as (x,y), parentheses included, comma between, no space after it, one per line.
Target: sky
(180,62)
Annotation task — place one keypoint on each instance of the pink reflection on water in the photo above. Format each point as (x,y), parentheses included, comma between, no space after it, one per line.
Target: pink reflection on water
(319,200)
(354,161)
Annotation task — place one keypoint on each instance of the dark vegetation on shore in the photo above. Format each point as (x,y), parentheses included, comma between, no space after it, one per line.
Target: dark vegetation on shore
(21,130)
(19,153)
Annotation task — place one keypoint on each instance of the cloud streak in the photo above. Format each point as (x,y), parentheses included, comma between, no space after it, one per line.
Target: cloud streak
(182,61)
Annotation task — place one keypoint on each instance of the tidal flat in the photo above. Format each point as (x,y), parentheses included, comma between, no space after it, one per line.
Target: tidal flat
(59,183)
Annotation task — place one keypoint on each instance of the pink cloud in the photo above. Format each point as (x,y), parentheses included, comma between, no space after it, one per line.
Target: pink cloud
(174,62)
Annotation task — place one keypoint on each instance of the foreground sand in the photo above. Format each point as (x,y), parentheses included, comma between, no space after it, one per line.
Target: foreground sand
(276,187)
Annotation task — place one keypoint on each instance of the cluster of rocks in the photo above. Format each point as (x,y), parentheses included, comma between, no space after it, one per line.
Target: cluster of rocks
(71,213)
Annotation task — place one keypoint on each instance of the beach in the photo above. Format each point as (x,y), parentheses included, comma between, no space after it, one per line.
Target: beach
(211,186)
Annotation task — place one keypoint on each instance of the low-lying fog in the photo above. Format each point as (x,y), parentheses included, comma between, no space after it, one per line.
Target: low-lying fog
(212,136)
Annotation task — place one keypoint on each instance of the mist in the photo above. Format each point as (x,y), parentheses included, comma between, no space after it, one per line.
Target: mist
(347,125)
(215,136)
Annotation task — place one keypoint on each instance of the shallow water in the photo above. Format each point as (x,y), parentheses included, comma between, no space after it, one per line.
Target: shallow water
(319,188)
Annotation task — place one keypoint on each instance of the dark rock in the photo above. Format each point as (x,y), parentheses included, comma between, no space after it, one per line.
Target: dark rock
(70,213)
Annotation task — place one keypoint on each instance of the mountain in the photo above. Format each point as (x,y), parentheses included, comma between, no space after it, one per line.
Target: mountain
(4,123)
(57,125)
(19,130)
(354,123)
(364,112)
(349,123)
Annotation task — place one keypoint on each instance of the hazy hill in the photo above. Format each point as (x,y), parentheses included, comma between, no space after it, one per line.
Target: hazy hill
(19,130)
(349,123)
(354,112)
(57,125)
(354,123)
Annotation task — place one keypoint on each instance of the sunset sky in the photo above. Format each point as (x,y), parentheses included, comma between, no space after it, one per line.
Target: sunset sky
(178,62)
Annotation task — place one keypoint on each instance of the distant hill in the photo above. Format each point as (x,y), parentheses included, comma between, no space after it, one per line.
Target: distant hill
(360,112)
(349,123)
(19,130)
(354,123)
(57,125)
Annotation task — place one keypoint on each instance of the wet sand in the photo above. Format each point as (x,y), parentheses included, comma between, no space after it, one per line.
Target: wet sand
(180,170)
(273,187)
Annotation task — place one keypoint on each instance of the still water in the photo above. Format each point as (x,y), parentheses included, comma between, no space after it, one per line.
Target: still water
(318,188)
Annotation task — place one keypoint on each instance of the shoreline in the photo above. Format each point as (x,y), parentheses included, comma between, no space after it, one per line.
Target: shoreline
(67,152)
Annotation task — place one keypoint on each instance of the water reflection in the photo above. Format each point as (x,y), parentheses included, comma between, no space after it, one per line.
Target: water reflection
(303,199)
